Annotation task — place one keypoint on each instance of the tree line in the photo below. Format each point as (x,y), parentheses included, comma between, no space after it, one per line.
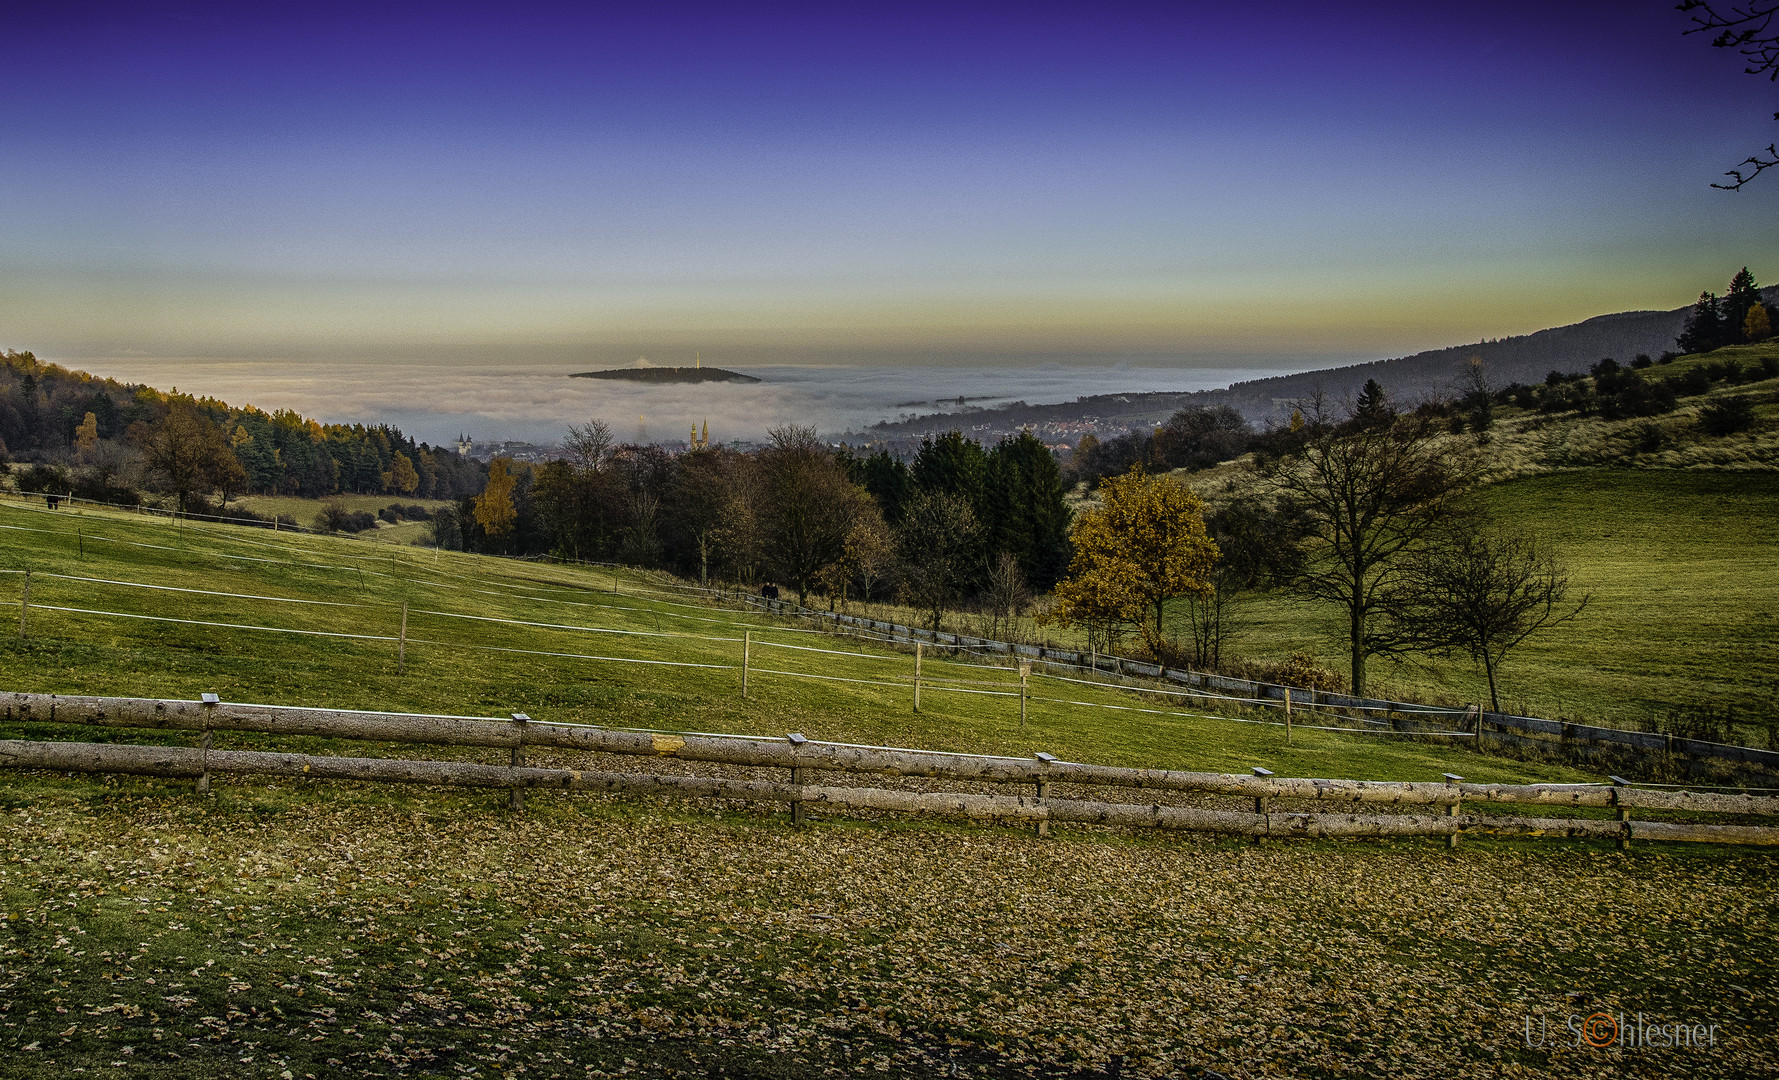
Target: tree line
(958,523)
(110,441)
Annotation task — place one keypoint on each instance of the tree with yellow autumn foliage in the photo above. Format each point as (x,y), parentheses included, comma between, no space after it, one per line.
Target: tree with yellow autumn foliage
(1143,545)
(494,506)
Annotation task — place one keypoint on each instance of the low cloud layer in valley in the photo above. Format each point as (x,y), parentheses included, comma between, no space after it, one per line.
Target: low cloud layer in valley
(436,402)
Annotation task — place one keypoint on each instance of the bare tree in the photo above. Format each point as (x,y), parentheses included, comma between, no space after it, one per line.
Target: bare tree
(1748,29)
(697,503)
(1367,491)
(589,445)
(870,552)
(936,540)
(1005,597)
(807,508)
(1480,592)
(1212,618)
(189,454)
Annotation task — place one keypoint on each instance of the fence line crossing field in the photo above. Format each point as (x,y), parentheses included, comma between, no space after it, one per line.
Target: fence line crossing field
(279,926)
(566,647)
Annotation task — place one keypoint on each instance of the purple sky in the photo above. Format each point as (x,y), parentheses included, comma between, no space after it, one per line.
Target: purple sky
(1197,183)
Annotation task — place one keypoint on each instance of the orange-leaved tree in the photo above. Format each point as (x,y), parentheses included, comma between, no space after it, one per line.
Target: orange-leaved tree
(1143,545)
(494,506)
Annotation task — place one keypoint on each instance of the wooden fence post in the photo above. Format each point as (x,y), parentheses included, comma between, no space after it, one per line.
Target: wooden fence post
(24,605)
(799,777)
(917,651)
(1262,803)
(401,644)
(1451,840)
(209,701)
(516,797)
(1287,716)
(1025,671)
(204,778)
(747,648)
(1619,784)
(1044,801)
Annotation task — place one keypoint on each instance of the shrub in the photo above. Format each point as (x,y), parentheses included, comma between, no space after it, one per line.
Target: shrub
(1769,367)
(334,517)
(1726,416)
(48,479)
(1301,670)
(1642,361)
(1691,383)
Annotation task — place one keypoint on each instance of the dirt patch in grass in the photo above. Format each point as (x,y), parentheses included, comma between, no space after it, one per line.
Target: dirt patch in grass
(278,931)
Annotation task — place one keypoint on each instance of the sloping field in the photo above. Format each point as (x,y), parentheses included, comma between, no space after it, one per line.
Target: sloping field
(490,637)
(1683,569)
(286,929)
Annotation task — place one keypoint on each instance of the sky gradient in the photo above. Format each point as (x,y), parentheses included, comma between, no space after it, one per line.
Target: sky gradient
(535,183)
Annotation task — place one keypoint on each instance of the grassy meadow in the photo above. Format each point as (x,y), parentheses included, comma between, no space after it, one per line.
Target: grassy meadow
(1681,567)
(304,511)
(641,656)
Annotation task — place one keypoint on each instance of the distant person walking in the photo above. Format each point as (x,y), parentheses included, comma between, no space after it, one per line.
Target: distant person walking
(769,591)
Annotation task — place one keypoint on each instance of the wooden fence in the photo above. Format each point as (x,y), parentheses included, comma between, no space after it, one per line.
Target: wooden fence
(1402,717)
(1424,809)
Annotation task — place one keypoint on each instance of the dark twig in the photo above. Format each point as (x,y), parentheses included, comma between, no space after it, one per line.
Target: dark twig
(1747,28)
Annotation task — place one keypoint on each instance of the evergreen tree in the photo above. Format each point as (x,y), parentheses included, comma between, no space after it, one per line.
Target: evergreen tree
(952,465)
(888,480)
(1744,295)
(1704,326)
(1373,404)
(1025,514)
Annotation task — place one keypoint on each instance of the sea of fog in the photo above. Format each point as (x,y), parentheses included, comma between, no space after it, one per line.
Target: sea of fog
(437,402)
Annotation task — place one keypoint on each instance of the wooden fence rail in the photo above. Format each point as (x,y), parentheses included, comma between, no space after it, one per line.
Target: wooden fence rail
(1408,718)
(803,755)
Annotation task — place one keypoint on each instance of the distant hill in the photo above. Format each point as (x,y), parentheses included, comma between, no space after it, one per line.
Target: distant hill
(1436,372)
(1525,359)
(667,375)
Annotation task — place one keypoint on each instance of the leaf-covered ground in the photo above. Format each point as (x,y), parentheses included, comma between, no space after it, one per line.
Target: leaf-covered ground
(328,930)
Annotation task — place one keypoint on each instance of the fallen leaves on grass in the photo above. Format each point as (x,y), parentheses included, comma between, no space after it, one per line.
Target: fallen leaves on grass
(433,935)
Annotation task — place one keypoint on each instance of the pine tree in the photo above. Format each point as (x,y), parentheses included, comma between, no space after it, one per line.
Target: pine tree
(1704,326)
(1744,295)
(1024,510)
(1373,404)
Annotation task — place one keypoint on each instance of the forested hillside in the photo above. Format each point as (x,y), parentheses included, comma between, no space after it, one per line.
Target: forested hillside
(106,440)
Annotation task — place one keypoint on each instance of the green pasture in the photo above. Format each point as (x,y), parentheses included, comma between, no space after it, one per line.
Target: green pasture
(455,661)
(1682,571)
(304,511)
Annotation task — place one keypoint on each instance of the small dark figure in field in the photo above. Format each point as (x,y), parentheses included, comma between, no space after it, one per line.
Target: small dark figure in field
(769,591)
